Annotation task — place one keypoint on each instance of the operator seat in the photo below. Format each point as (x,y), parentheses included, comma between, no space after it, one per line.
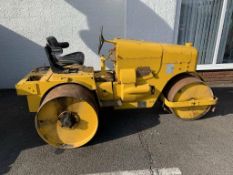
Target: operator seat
(54,50)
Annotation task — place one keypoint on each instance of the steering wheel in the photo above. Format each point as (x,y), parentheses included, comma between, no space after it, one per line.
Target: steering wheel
(101,40)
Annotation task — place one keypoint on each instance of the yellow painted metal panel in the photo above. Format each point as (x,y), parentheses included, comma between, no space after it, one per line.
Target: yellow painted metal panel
(37,89)
(33,102)
(105,91)
(132,54)
(127,76)
(190,103)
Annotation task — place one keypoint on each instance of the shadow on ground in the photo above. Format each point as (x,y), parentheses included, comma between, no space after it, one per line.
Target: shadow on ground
(17,132)
(120,123)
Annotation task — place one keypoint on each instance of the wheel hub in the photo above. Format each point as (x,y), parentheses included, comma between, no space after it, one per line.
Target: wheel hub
(68,119)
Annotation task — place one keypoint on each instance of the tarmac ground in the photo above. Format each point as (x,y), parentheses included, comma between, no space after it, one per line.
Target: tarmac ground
(128,140)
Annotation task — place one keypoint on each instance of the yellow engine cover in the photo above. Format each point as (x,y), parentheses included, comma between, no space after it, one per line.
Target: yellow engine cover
(132,54)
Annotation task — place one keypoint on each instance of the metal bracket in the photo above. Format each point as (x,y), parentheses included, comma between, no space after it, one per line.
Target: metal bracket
(189,103)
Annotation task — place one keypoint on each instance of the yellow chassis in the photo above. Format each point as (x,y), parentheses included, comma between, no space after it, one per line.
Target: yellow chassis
(165,62)
(66,97)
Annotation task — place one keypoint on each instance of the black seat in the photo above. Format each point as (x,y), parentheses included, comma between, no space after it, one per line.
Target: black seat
(72,58)
(54,49)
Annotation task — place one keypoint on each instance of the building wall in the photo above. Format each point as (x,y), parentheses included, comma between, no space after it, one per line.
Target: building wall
(25,24)
(153,20)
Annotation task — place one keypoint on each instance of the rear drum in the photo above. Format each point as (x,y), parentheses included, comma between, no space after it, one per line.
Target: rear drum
(67,117)
(188,88)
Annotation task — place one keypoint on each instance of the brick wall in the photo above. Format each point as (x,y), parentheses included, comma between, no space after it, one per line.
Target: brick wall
(224,76)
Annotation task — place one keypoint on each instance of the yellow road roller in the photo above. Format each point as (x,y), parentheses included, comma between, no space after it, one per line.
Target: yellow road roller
(67,95)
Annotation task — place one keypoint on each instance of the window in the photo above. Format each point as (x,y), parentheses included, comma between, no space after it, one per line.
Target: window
(209,25)
(225,54)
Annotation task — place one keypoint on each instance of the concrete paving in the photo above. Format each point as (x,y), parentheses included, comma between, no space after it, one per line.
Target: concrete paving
(130,140)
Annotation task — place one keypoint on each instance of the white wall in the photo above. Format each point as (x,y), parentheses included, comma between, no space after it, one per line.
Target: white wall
(25,24)
(153,20)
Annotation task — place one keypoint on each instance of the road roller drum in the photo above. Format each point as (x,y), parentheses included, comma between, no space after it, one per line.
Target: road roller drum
(67,117)
(67,95)
(189,88)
